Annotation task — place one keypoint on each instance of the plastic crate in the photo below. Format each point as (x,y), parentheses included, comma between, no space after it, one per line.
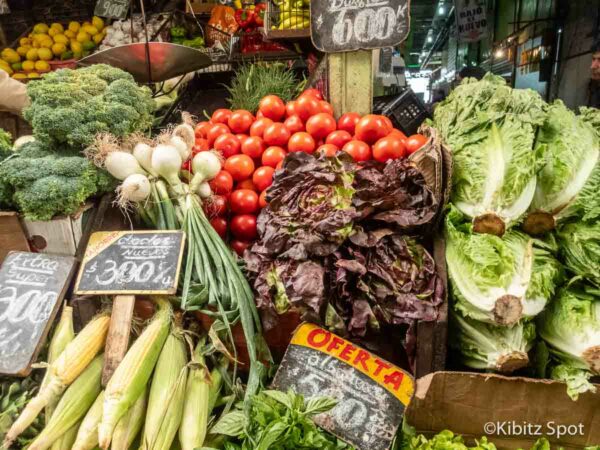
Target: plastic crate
(406,111)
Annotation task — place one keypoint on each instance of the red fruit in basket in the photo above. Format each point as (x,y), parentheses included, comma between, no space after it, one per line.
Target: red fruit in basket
(348,122)
(389,147)
(243,227)
(301,142)
(239,246)
(262,199)
(397,132)
(258,128)
(273,156)
(222,184)
(227,144)
(215,206)
(371,128)
(253,146)
(215,131)
(339,138)
(246,184)
(320,126)
(202,128)
(263,177)
(325,107)
(240,167)
(359,150)
(388,122)
(272,107)
(312,92)
(243,201)
(415,142)
(294,124)
(240,121)
(220,226)
(221,116)
(306,107)
(290,108)
(328,150)
(277,134)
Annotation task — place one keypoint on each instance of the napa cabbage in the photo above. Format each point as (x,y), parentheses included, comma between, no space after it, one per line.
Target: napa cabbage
(580,249)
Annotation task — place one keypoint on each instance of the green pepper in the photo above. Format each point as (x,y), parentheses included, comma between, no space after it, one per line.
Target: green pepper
(178,32)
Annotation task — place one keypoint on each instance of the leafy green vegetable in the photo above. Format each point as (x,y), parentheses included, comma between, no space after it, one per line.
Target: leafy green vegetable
(5,143)
(498,280)
(570,326)
(278,421)
(569,181)
(580,249)
(6,191)
(491,129)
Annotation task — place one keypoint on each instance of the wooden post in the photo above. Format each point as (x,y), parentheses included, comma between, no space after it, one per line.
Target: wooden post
(117,341)
(351,81)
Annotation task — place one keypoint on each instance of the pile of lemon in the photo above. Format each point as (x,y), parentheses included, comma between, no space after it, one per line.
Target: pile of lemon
(52,42)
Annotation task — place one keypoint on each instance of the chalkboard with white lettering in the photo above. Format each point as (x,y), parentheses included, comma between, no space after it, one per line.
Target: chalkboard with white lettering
(131,262)
(371,392)
(346,25)
(32,286)
(112,9)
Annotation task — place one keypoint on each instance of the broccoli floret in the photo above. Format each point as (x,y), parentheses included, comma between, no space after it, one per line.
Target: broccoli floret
(69,107)
(47,186)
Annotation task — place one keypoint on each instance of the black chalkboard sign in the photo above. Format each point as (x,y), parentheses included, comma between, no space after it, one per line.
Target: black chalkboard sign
(131,262)
(371,392)
(32,286)
(112,9)
(346,25)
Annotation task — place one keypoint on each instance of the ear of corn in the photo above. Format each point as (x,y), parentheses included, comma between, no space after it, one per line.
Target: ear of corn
(132,374)
(73,405)
(130,424)
(216,383)
(165,403)
(194,423)
(65,442)
(74,359)
(87,435)
(63,335)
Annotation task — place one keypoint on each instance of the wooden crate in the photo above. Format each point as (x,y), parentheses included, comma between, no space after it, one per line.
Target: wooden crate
(199,6)
(14,124)
(12,235)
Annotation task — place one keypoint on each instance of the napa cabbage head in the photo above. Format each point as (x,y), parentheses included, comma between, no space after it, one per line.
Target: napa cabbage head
(498,280)
(569,182)
(580,249)
(491,129)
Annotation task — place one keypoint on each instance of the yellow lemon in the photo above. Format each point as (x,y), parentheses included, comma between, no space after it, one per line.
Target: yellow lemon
(36,44)
(7,69)
(33,75)
(45,54)
(98,22)
(32,55)
(41,37)
(57,26)
(40,28)
(82,36)
(74,27)
(85,23)
(99,38)
(23,42)
(28,66)
(46,43)
(22,51)
(42,66)
(70,34)
(76,47)
(61,39)
(19,76)
(58,49)
(53,32)
(11,56)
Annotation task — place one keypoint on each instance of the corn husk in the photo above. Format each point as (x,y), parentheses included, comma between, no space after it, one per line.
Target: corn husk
(216,383)
(65,442)
(87,435)
(73,405)
(130,424)
(131,376)
(71,363)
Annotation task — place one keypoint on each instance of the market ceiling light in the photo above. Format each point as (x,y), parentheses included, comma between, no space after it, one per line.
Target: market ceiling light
(429,39)
(442,10)
(499,53)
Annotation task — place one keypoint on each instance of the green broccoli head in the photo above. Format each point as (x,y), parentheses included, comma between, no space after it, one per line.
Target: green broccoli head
(69,107)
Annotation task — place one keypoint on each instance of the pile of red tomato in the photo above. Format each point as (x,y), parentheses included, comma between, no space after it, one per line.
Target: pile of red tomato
(255,146)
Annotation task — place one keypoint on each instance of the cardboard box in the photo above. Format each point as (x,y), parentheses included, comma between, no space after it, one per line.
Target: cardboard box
(520,410)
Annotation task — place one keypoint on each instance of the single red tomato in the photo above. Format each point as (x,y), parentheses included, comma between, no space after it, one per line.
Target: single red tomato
(227,144)
(328,150)
(276,134)
(273,156)
(220,226)
(215,131)
(306,107)
(241,137)
(348,122)
(313,93)
(325,107)
(294,124)
(215,206)
(359,150)
(397,132)
(240,121)
(246,184)
(221,115)
(290,108)
(253,146)
(389,147)
(279,165)
(338,138)
(200,145)
(243,201)
(239,247)
(415,142)
(320,125)
(222,184)
(258,127)
(371,128)
(202,128)
(272,107)
(240,167)
(301,142)
(243,227)
(262,199)
(388,123)
(263,177)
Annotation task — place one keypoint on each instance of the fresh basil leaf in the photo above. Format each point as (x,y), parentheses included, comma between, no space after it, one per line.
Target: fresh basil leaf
(318,405)
(232,424)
